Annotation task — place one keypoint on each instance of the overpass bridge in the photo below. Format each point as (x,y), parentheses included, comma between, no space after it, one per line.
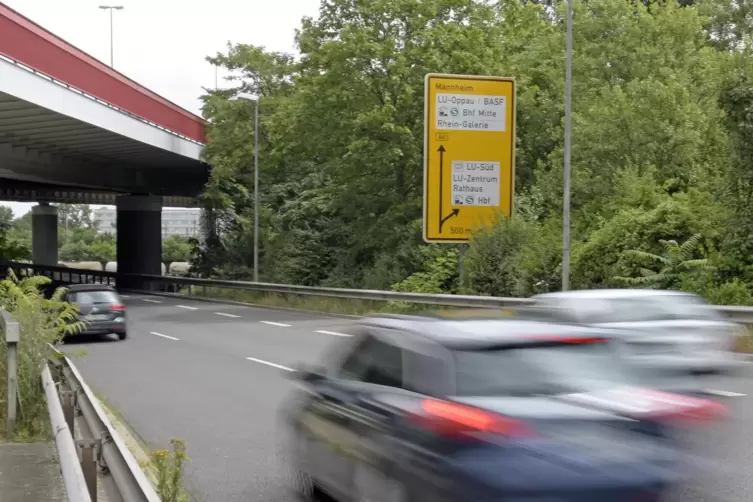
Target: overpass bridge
(73,130)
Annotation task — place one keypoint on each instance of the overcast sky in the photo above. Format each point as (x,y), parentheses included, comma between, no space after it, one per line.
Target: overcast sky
(162,43)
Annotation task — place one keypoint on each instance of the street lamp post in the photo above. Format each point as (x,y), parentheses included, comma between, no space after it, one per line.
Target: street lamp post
(250,97)
(566,198)
(111,8)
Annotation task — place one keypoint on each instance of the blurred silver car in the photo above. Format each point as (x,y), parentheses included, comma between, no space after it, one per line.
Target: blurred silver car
(664,330)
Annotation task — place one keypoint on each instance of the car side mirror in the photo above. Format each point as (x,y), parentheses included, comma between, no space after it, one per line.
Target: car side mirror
(306,374)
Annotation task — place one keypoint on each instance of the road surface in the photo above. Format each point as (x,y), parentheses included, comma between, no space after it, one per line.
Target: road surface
(212,374)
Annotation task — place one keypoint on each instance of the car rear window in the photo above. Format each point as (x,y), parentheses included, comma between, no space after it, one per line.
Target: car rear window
(539,370)
(93,297)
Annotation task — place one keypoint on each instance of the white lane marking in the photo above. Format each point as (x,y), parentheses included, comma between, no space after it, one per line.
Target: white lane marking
(226,315)
(724,393)
(187,307)
(125,296)
(151,301)
(276,324)
(261,361)
(164,336)
(333,333)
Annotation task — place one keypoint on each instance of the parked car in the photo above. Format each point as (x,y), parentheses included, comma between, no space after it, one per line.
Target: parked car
(663,330)
(421,409)
(100,307)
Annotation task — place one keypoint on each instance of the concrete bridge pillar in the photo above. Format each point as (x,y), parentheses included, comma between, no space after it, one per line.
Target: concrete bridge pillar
(139,238)
(44,234)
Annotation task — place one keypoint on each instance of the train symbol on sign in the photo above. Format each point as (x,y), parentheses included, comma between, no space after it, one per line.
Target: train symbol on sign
(443,112)
(458,200)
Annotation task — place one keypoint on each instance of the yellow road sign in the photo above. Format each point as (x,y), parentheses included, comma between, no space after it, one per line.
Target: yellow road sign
(469,154)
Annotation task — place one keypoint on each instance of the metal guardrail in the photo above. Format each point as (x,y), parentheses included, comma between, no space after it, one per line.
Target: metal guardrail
(172,283)
(12,331)
(165,283)
(104,456)
(76,488)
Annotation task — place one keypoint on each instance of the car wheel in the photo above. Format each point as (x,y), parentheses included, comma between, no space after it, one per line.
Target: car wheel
(299,481)
(122,336)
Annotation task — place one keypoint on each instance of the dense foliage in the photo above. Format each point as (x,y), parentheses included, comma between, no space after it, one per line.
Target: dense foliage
(662,146)
(43,321)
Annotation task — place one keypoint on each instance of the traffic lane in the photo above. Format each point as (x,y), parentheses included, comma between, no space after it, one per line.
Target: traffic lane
(258,334)
(225,407)
(218,308)
(718,451)
(721,454)
(285,345)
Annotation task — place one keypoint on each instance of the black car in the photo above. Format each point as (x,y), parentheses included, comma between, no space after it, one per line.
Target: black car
(100,307)
(422,409)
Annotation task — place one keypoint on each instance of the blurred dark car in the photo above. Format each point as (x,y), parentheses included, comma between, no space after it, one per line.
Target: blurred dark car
(421,409)
(100,307)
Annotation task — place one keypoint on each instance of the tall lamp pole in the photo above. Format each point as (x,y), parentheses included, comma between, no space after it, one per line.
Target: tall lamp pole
(566,201)
(111,8)
(250,97)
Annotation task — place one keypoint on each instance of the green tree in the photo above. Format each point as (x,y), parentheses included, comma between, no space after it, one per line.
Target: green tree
(666,270)
(176,248)
(75,216)
(11,248)
(661,144)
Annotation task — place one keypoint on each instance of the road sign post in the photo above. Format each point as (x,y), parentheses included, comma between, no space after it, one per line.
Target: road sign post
(469,154)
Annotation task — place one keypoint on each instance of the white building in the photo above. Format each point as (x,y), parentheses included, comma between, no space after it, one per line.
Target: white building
(185,222)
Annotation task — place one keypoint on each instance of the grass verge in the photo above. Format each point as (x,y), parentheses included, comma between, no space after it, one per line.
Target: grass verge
(342,306)
(744,344)
(163,467)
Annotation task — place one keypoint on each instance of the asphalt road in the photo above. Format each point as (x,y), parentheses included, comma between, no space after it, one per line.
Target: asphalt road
(213,375)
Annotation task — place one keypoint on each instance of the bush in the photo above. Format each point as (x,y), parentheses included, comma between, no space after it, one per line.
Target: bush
(43,322)
(169,471)
(493,265)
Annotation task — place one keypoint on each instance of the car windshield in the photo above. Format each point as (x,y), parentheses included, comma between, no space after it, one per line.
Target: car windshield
(643,308)
(540,370)
(93,297)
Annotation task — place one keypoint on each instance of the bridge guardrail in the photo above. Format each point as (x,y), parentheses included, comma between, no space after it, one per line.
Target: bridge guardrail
(72,406)
(166,283)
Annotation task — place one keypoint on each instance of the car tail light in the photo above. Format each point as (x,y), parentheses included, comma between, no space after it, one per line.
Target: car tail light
(686,410)
(119,307)
(452,419)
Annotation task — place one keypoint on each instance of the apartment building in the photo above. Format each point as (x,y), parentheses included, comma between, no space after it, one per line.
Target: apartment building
(185,222)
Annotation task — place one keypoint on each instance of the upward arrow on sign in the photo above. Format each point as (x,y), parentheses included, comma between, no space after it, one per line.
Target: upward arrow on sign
(455,211)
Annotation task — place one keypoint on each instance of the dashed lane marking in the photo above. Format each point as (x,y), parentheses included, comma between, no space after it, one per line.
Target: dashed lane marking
(187,307)
(227,315)
(333,333)
(151,301)
(274,365)
(723,393)
(271,323)
(164,336)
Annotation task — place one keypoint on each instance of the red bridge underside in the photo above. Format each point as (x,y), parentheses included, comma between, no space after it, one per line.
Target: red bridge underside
(26,42)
